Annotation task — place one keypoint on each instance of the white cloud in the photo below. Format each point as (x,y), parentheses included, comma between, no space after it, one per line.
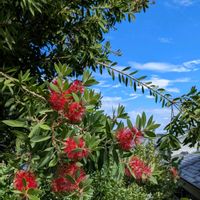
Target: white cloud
(167,67)
(184,2)
(134,95)
(165,40)
(161,82)
(116,86)
(112,99)
(149,97)
(109,103)
(103,84)
(174,90)
(167,83)
(180,3)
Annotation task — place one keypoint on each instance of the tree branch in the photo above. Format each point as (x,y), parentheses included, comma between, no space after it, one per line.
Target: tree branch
(22,86)
(139,82)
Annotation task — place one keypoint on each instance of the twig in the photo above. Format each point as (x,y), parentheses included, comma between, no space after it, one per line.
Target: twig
(54,138)
(22,86)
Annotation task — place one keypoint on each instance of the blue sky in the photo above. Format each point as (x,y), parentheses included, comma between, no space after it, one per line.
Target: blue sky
(164,44)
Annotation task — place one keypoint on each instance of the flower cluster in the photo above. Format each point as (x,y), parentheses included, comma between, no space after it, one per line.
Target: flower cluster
(58,100)
(24,180)
(75,112)
(128,138)
(75,148)
(138,168)
(76,87)
(63,101)
(69,178)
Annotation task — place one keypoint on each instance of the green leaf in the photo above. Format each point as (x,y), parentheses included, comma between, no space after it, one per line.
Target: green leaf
(115,156)
(132,73)
(53,162)
(143,89)
(142,78)
(45,127)
(129,123)
(90,82)
(143,120)
(45,159)
(150,134)
(19,134)
(76,98)
(127,68)
(40,138)
(153,180)
(153,126)
(14,123)
(34,130)
(33,197)
(57,69)
(77,150)
(54,87)
(135,86)
(70,179)
(150,120)
(45,111)
(119,77)
(138,122)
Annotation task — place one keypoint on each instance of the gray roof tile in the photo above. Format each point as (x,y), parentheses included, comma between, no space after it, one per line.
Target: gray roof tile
(190,169)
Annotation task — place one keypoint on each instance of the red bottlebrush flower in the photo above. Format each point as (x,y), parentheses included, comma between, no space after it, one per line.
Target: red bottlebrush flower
(138,168)
(174,172)
(75,112)
(76,87)
(63,183)
(138,137)
(125,139)
(24,180)
(71,145)
(128,138)
(57,100)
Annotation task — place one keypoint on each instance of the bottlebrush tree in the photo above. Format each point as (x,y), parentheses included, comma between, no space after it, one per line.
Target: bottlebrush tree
(61,137)
(54,137)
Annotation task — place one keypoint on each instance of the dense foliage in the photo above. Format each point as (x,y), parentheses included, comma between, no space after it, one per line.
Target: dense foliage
(184,127)
(56,149)
(34,34)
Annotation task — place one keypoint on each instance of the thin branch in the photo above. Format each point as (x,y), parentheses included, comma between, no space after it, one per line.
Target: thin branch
(22,86)
(139,82)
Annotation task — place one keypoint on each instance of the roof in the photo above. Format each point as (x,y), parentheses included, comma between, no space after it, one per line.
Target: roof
(190,169)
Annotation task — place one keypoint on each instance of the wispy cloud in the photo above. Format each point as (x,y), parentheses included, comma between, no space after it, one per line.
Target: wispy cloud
(167,67)
(103,84)
(165,40)
(149,97)
(180,3)
(112,102)
(167,83)
(183,2)
(174,90)
(134,95)
(116,86)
